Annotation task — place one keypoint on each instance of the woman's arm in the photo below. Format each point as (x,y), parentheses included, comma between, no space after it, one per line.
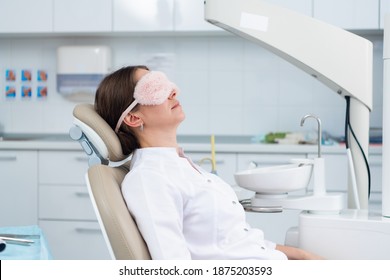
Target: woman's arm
(294,253)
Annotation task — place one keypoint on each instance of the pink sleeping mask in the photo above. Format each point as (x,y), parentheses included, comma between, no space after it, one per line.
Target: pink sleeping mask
(152,89)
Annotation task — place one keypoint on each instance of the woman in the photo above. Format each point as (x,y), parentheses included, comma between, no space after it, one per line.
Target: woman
(182,211)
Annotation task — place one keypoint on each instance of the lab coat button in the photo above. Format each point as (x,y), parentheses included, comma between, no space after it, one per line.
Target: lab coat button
(234,202)
(209,180)
(246,229)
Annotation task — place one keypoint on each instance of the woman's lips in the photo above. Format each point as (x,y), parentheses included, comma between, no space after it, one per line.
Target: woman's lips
(176,105)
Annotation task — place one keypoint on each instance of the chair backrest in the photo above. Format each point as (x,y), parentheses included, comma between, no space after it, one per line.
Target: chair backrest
(119,229)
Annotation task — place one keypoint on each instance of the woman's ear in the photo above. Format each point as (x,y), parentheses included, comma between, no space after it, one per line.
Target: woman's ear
(133,120)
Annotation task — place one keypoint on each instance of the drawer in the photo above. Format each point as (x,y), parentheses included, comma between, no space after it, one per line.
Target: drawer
(65,202)
(62,167)
(75,240)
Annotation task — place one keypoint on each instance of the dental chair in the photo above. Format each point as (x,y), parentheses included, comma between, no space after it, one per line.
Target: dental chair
(107,169)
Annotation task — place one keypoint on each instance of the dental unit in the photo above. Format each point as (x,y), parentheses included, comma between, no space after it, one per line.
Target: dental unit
(342,61)
(273,185)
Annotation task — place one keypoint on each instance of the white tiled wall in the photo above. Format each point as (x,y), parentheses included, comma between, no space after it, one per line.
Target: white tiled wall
(228,85)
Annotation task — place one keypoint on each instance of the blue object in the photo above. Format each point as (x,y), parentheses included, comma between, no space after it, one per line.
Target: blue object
(2,245)
(38,250)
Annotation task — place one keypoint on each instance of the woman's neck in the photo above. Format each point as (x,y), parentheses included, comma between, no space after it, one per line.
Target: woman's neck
(157,139)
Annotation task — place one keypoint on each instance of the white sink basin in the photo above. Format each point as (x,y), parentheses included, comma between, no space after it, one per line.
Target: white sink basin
(275,179)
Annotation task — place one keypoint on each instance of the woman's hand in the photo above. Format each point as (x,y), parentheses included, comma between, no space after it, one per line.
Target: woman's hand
(294,253)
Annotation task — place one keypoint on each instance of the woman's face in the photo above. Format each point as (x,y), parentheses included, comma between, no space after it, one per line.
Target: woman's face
(166,115)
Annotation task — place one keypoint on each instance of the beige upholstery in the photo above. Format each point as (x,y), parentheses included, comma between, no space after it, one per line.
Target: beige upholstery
(122,232)
(122,236)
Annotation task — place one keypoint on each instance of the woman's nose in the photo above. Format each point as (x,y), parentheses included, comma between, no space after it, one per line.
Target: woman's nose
(173,94)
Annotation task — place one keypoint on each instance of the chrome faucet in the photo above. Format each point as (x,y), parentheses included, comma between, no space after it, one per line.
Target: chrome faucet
(319,130)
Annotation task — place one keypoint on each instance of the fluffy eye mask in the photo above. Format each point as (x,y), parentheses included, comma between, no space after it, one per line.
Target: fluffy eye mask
(152,89)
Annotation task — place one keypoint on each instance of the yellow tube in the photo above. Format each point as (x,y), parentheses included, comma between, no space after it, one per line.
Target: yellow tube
(213,163)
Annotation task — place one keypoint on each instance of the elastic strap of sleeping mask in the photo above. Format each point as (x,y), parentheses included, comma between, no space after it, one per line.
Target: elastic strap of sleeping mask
(124,114)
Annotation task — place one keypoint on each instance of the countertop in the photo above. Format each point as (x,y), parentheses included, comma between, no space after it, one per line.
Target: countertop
(190,143)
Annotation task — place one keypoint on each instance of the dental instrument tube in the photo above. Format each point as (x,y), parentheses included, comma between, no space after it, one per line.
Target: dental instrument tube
(213,163)
(2,245)
(386,121)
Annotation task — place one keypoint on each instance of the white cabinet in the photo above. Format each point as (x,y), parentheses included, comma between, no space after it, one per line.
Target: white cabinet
(23,16)
(82,16)
(75,16)
(65,203)
(145,15)
(348,14)
(70,240)
(66,214)
(385,9)
(189,16)
(18,188)
(304,7)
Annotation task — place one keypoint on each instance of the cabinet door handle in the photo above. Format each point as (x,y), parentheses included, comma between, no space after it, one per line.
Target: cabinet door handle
(88,230)
(9,158)
(82,194)
(82,159)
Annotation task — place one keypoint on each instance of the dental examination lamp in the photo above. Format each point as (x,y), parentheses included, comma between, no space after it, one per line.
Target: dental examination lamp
(343,62)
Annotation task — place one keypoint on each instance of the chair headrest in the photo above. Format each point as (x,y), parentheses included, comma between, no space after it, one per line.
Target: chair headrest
(98,132)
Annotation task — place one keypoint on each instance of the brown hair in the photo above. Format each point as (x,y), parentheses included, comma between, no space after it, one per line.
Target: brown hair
(113,96)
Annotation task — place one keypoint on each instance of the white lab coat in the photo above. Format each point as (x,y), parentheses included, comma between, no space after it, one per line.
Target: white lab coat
(184,212)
